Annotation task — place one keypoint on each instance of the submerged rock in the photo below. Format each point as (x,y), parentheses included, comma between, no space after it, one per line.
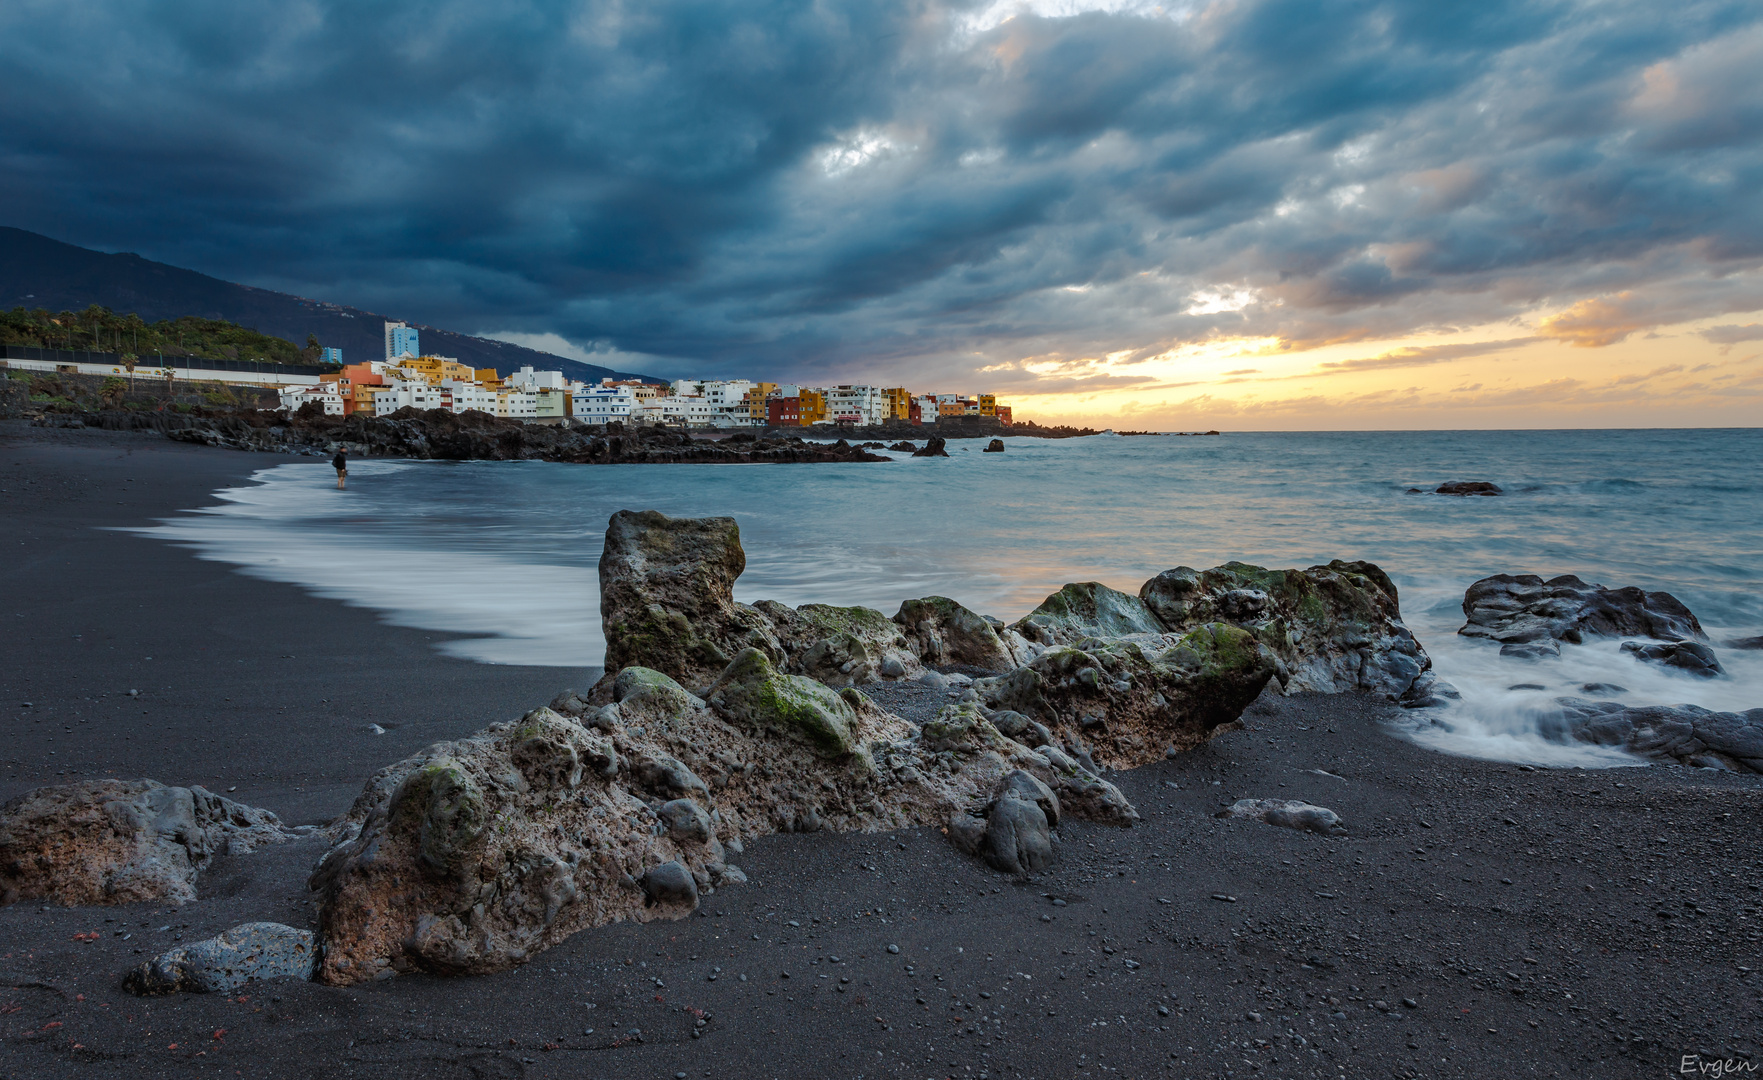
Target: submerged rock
(1523,608)
(934,447)
(1286,814)
(1686,734)
(1691,656)
(1468,487)
(122,841)
(904,447)
(225,963)
(996,446)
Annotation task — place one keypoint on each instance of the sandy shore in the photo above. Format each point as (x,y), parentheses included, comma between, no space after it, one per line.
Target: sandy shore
(1511,922)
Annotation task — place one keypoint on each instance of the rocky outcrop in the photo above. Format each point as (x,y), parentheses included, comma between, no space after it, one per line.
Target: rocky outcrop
(1691,656)
(1087,610)
(1332,628)
(1522,608)
(1685,734)
(934,447)
(940,631)
(1468,487)
(225,963)
(1286,814)
(667,596)
(904,447)
(122,841)
(841,646)
(996,446)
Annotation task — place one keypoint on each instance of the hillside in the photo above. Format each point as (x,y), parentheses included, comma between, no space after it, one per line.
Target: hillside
(38,272)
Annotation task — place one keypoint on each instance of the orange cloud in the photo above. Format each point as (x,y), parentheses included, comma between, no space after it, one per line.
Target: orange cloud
(1594,323)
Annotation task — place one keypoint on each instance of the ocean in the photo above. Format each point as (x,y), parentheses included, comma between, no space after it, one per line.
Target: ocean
(504,554)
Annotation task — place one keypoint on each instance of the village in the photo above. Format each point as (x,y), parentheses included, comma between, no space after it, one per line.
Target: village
(406,378)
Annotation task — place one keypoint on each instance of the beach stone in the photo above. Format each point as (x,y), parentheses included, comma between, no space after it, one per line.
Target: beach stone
(1018,837)
(667,596)
(996,446)
(940,631)
(1468,487)
(1523,608)
(1285,813)
(670,883)
(122,841)
(1686,734)
(1087,609)
(933,447)
(227,962)
(1691,656)
(1332,628)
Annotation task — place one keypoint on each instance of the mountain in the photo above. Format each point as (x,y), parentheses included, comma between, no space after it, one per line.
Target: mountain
(38,272)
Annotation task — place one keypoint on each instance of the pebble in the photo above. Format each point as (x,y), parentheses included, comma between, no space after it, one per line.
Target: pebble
(1254,1018)
(895,949)
(1223,897)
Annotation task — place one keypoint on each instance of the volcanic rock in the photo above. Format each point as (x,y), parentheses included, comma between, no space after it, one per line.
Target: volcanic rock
(667,596)
(1745,643)
(904,446)
(841,646)
(1519,608)
(1686,734)
(122,841)
(227,962)
(1286,814)
(940,631)
(1087,610)
(996,446)
(933,448)
(1691,656)
(1332,628)
(1468,487)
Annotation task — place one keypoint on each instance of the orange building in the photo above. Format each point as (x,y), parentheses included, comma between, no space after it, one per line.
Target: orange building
(356,384)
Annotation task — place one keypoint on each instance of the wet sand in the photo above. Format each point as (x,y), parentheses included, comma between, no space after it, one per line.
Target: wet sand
(1511,922)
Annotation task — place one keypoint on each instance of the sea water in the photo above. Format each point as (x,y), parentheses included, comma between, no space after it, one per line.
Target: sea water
(503,555)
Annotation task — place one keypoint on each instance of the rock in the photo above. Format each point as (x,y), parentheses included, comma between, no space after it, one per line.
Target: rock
(1087,610)
(933,448)
(225,963)
(667,596)
(1527,686)
(670,883)
(996,446)
(1332,628)
(1130,702)
(1691,656)
(1745,643)
(1468,487)
(754,695)
(1686,734)
(940,631)
(1523,608)
(841,646)
(904,447)
(1530,650)
(1286,814)
(122,841)
(1602,689)
(1018,835)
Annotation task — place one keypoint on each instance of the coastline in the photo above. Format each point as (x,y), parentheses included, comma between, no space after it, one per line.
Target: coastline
(1427,898)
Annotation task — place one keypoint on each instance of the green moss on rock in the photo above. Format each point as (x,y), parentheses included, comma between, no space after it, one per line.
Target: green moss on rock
(751,692)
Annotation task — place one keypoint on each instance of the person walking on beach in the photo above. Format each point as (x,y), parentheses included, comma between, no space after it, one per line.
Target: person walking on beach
(341,464)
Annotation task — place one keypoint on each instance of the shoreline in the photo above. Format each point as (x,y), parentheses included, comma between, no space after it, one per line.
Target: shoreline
(1432,896)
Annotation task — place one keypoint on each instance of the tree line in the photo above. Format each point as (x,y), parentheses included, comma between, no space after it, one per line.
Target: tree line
(98,329)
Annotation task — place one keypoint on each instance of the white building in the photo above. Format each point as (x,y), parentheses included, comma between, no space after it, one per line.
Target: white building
(528,379)
(464,396)
(862,405)
(602,404)
(522,405)
(324,393)
(927,409)
(413,395)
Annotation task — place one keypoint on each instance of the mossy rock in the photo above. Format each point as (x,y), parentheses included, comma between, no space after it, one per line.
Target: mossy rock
(752,693)
(646,689)
(447,808)
(1088,609)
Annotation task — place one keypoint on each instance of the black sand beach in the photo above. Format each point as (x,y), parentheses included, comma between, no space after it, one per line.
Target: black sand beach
(1477,920)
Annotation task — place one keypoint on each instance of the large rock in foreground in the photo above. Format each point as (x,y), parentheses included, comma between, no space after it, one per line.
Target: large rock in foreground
(1333,628)
(1522,608)
(122,841)
(1685,734)
(667,596)
(227,962)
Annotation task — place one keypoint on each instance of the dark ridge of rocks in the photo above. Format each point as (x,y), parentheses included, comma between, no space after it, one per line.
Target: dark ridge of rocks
(1691,656)
(1518,609)
(1750,644)
(904,447)
(1686,734)
(1468,487)
(935,447)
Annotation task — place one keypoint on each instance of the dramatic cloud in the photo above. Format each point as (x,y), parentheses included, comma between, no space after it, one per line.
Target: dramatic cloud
(921,191)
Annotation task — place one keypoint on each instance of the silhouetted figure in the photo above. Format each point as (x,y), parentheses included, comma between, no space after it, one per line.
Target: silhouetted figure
(341,464)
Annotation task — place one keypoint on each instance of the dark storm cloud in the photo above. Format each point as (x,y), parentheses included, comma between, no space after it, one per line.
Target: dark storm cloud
(805,188)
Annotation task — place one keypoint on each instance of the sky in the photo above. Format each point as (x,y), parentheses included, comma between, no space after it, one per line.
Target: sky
(1177,216)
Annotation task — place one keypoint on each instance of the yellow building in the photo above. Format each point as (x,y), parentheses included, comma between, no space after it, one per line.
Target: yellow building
(754,399)
(813,406)
(489,377)
(988,405)
(899,403)
(434,370)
